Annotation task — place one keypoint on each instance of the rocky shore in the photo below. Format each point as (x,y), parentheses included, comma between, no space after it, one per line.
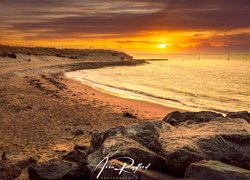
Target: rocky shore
(198,145)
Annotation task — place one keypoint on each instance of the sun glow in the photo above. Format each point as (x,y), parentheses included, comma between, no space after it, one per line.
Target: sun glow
(162,46)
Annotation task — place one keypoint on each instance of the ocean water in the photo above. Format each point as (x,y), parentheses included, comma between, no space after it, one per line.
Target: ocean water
(210,83)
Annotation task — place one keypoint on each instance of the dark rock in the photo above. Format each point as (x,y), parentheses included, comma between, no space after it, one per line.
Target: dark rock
(177,117)
(241,114)
(26,162)
(146,133)
(5,156)
(136,141)
(215,170)
(79,173)
(53,169)
(222,139)
(57,169)
(75,156)
(77,132)
(12,55)
(9,171)
(119,146)
(80,148)
(99,138)
(129,115)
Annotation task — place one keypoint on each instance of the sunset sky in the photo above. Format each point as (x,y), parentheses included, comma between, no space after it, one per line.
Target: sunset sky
(135,26)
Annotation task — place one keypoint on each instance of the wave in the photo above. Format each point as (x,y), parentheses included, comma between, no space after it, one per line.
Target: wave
(133,91)
(150,96)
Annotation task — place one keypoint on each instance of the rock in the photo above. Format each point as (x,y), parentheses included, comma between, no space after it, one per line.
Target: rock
(77,132)
(177,117)
(75,156)
(12,55)
(215,170)
(186,123)
(241,114)
(57,169)
(79,173)
(146,133)
(129,115)
(53,169)
(5,156)
(83,148)
(98,138)
(9,171)
(222,139)
(26,162)
(123,148)
(80,148)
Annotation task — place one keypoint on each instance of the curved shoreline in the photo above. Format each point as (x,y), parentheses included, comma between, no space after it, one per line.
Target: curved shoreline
(142,109)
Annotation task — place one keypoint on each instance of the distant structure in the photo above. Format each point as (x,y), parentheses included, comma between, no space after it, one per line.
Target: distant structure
(228,56)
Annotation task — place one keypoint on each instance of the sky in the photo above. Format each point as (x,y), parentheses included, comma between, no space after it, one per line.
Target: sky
(134,26)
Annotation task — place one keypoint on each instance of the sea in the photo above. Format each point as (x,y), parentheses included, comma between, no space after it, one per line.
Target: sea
(218,83)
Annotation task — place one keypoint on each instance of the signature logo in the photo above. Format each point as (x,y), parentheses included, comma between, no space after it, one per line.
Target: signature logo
(127,167)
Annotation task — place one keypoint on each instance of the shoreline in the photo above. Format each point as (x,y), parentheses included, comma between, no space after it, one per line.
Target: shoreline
(140,108)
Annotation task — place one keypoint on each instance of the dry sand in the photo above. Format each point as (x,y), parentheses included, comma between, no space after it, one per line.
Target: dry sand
(40,108)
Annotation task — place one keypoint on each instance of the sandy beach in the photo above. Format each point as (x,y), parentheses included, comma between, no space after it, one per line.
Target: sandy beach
(47,117)
(41,109)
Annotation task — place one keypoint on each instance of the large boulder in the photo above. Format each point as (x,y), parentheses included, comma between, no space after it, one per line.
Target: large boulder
(135,141)
(222,139)
(57,169)
(123,148)
(175,118)
(146,133)
(241,114)
(215,170)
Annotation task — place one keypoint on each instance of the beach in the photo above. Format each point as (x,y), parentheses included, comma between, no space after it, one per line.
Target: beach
(54,126)
(41,108)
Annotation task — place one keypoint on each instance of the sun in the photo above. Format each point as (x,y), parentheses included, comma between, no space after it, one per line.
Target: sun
(162,46)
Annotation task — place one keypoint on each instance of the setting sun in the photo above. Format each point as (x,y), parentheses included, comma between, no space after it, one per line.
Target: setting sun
(162,46)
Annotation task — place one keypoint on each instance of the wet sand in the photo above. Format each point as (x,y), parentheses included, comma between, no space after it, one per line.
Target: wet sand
(141,109)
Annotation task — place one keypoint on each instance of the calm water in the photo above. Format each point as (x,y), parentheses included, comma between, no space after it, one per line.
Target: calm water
(211,83)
